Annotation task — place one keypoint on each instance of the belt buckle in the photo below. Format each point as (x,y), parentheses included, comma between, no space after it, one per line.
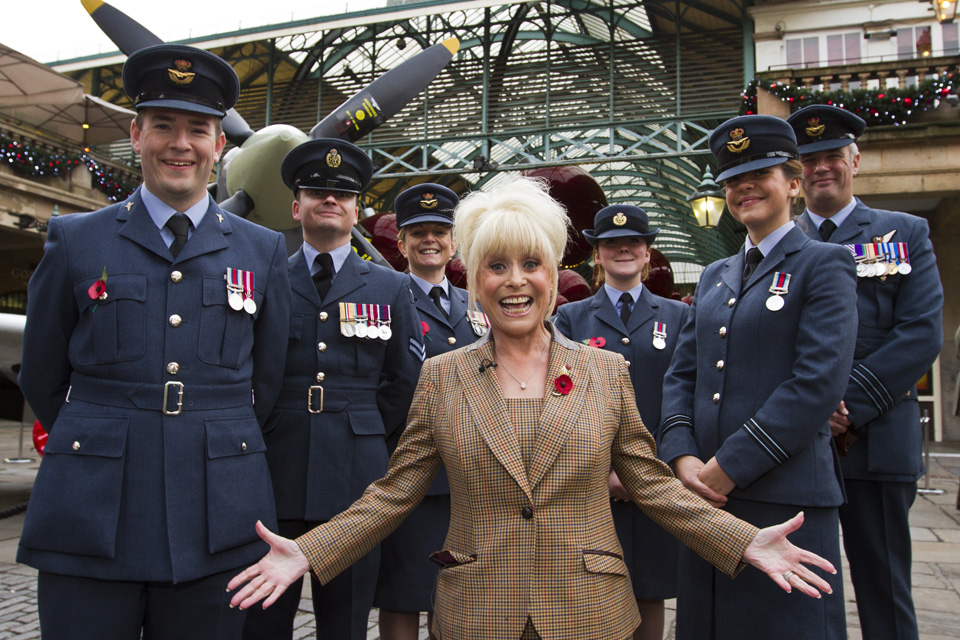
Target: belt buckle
(166,393)
(310,399)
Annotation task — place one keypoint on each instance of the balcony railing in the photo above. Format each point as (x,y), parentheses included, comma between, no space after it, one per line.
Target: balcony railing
(885,73)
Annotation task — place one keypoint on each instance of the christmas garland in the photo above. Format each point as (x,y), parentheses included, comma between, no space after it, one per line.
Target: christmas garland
(878,106)
(34,161)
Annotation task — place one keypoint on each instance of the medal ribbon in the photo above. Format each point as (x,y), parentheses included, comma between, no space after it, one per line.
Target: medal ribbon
(660,329)
(247,284)
(781,283)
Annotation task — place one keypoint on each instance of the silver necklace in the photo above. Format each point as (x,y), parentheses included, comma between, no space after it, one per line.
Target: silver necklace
(523,384)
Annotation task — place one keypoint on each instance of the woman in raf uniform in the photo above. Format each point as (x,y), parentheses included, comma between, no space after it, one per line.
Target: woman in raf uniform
(625,317)
(407,577)
(528,425)
(761,364)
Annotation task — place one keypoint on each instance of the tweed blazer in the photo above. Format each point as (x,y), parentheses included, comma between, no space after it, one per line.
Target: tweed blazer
(899,336)
(538,544)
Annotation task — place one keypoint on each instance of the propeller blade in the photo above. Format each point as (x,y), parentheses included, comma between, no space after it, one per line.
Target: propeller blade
(130,36)
(239,204)
(385,96)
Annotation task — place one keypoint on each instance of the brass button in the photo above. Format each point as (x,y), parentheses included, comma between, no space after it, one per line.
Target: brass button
(731,302)
(719,365)
(625,341)
(323,316)
(175,320)
(176,276)
(321,376)
(322,346)
(173,368)
(451,340)
(243,446)
(716,398)
(527,513)
(719,283)
(76,445)
(723,332)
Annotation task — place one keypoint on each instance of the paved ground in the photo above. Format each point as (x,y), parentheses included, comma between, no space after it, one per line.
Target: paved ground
(936,553)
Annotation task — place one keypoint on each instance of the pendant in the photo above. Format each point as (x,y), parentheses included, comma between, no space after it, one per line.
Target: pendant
(523,385)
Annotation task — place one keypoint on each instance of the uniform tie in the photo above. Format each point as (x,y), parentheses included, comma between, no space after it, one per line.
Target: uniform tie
(625,301)
(437,294)
(827,227)
(323,278)
(754,257)
(180,225)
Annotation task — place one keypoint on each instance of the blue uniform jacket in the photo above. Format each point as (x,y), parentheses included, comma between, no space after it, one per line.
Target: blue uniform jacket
(597,317)
(126,492)
(321,461)
(443,335)
(899,337)
(756,387)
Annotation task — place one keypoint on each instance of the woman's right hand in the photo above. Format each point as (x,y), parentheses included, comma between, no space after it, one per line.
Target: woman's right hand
(687,469)
(283,565)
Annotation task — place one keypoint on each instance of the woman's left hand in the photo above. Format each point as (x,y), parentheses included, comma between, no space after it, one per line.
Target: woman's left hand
(785,563)
(713,475)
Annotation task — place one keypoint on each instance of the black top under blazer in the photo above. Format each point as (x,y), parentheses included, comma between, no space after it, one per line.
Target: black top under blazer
(756,387)
(126,492)
(899,337)
(321,462)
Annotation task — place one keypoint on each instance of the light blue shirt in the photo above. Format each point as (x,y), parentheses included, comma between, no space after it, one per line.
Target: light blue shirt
(426,286)
(837,218)
(338,255)
(160,212)
(614,295)
(773,239)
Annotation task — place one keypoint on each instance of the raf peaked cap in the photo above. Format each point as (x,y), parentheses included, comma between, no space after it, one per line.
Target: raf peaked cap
(821,127)
(169,76)
(748,143)
(425,202)
(620,221)
(330,164)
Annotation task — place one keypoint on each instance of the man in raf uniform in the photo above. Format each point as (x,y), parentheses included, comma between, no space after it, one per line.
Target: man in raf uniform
(353,360)
(877,425)
(153,352)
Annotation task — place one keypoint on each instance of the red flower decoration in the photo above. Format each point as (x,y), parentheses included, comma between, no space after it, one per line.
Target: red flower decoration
(599,342)
(425,328)
(563,384)
(97,289)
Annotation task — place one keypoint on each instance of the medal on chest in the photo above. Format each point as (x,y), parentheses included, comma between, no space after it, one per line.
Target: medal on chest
(779,288)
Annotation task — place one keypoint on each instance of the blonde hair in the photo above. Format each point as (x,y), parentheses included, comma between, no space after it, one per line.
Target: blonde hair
(516,218)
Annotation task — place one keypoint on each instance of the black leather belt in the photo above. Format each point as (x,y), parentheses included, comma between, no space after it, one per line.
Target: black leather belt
(172,398)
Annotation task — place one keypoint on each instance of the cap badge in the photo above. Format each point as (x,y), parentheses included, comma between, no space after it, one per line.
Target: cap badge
(334,159)
(814,128)
(738,143)
(429,201)
(182,74)
(619,219)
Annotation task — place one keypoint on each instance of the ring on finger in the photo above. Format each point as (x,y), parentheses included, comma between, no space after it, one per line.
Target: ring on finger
(788,575)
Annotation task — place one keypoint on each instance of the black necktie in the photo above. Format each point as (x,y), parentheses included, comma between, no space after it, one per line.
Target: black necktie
(179,224)
(437,293)
(754,257)
(625,301)
(827,227)
(323,278)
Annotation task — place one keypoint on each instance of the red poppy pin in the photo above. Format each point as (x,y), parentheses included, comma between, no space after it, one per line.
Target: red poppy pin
(98,290)
(425,328)
(563,385)
(599,342)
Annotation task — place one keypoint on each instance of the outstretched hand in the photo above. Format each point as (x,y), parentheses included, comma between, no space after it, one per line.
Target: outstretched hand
(283,565)
(785,563)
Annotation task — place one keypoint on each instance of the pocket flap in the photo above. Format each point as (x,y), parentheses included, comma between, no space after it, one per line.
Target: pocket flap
(604,562)
(88,436)
(366,423)
(448,558)
(215,291)
(121,286)
(233,437)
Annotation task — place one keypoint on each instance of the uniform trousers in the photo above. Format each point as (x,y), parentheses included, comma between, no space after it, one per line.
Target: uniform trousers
(341,607)
(76,608)
(713,606)
(876,538)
